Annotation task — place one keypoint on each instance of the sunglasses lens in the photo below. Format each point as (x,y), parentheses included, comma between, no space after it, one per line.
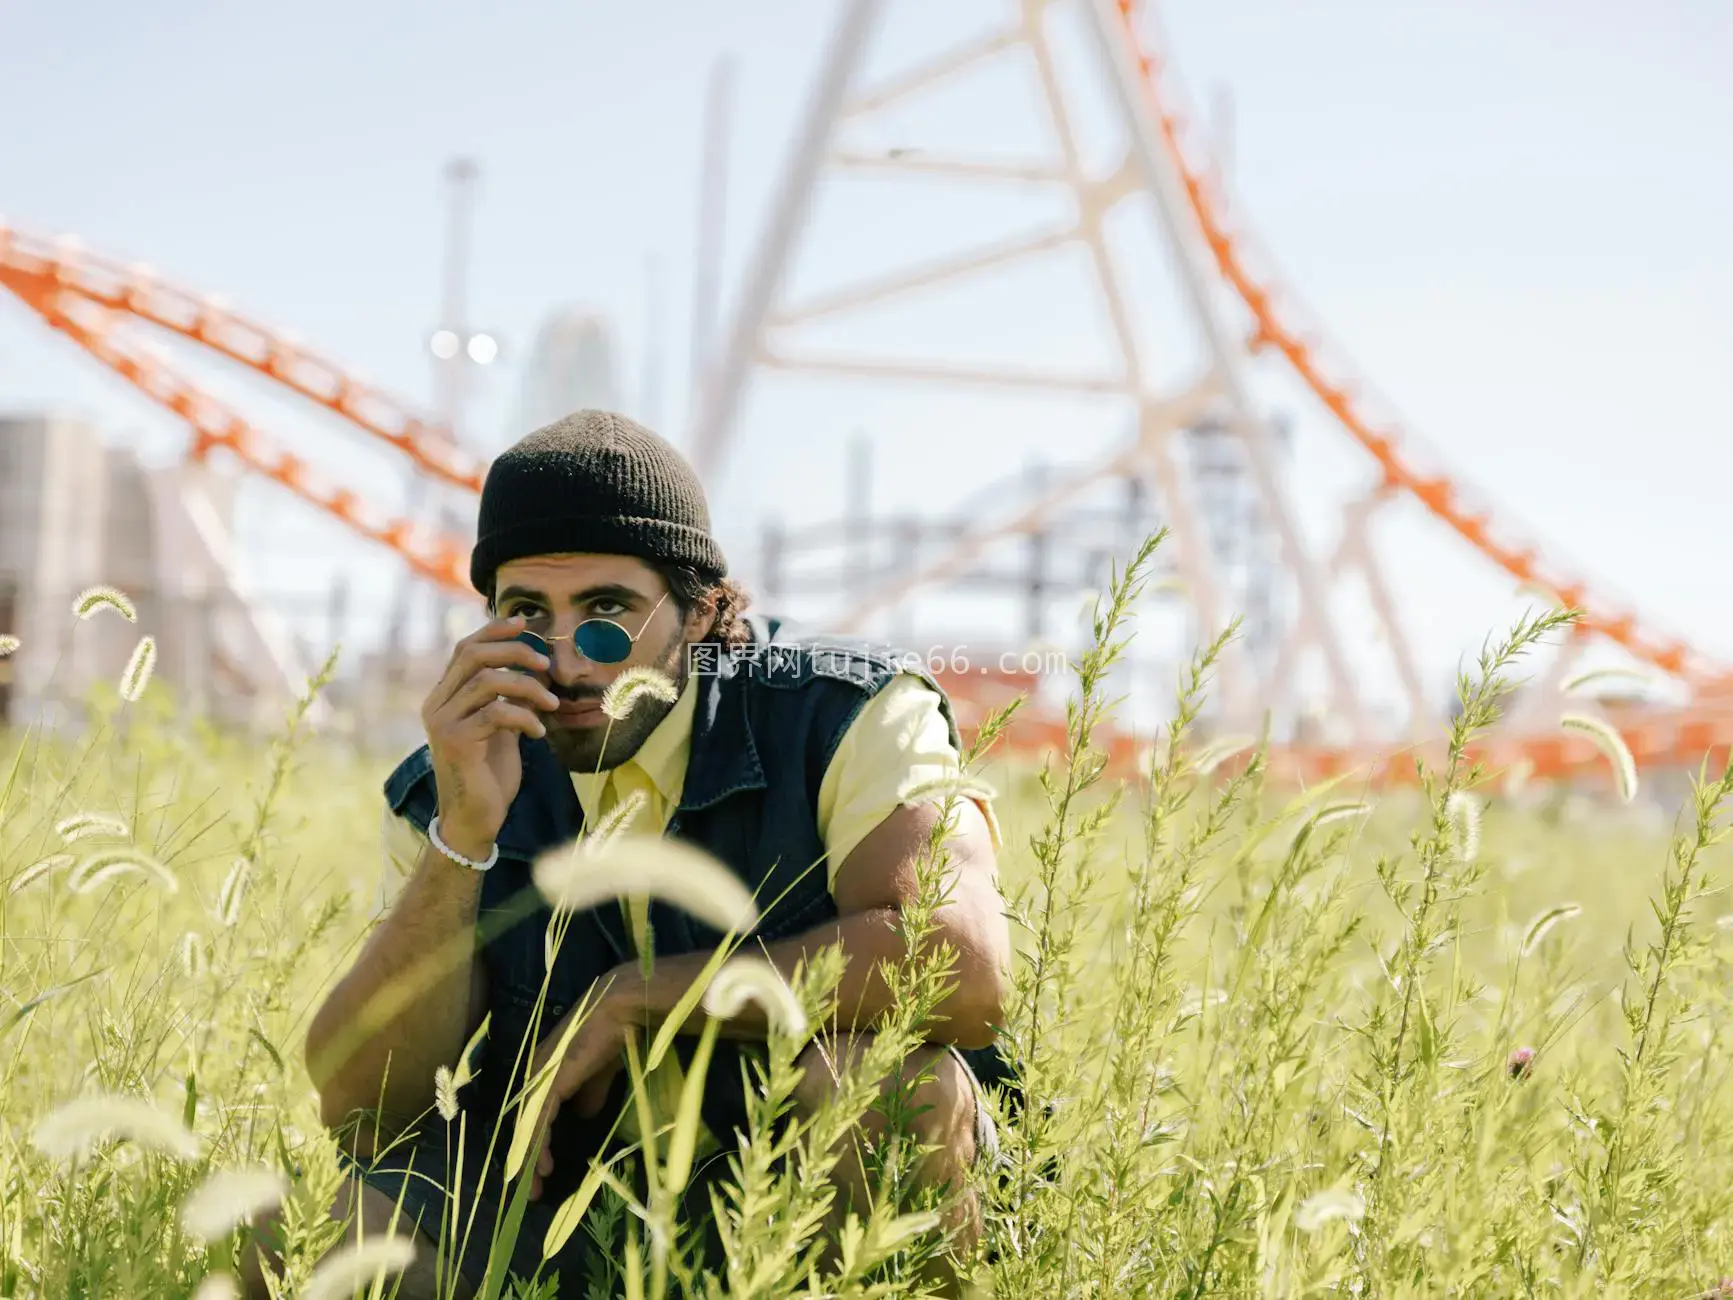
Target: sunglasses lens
(602,641)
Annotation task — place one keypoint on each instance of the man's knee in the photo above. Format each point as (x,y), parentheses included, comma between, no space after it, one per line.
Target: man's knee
(822,1065)
(944,1120)
(943,1103)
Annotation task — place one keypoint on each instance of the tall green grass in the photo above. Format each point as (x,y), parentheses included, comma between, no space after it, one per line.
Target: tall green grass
(1435,1042)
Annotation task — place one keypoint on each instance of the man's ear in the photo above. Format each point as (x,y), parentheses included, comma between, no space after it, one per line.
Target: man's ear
(701,618)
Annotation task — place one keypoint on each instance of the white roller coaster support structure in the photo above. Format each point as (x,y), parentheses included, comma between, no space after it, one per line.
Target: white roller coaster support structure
(762,319)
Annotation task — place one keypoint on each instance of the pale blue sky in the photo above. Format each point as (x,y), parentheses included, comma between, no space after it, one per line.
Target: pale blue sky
(1513,216)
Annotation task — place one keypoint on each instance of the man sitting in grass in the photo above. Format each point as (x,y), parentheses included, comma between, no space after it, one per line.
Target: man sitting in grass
(794,760)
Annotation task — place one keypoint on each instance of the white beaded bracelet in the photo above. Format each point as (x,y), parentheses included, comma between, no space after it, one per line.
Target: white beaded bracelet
(443,847)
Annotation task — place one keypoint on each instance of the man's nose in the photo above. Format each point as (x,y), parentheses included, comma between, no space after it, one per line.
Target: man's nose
(570,668)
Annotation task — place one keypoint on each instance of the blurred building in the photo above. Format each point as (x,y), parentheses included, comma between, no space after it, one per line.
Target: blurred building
(53,498)
(75,513)
(572,365)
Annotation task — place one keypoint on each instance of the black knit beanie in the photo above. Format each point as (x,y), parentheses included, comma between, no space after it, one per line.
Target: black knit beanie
(595,482)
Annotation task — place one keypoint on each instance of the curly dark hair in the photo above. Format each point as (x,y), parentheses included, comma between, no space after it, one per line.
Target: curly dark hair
(691,588)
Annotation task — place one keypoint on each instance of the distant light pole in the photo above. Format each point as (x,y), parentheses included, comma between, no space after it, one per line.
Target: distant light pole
(455,347)
(460,180)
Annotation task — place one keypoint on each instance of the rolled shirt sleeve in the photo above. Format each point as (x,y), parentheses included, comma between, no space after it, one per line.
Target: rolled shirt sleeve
(896,743)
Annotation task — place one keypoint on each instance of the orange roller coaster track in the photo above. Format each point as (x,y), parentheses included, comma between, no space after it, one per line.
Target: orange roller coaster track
(95,302)
(1443,496)
(91,300)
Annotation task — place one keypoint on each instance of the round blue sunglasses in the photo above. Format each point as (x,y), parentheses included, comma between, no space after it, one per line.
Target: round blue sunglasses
(600,640)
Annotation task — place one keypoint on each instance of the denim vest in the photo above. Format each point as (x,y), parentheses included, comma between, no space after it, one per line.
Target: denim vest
(767,723)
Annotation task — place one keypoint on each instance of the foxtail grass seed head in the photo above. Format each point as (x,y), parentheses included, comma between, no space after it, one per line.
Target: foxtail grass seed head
(93,600)
(1574,684)
(1217,752)
(83,825)
(193,954)
(1464,811)
(1153,755)
(1520,1063)
(635,684)
(38,869)
(1612,745)
(231,1198)
(636,866)
(617,818)
(76,1128)
(751,979)
(1088,607)
(100,868)
(1517,777)
(1324,1207)
(1336,812)
(218,1286)
(1195,1002)
(9,644)
(233,891)
(345,1271)
(138,669)
(445,1093)
(1542,924)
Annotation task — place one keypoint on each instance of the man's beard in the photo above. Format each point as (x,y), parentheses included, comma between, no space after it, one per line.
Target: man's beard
(582,750)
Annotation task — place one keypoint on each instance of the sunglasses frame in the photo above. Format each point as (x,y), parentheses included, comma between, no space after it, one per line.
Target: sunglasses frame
(545,644)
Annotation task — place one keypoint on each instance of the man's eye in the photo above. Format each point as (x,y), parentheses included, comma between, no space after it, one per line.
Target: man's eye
(608,608)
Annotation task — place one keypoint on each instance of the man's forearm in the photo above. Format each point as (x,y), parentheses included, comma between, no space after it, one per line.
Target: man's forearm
(966,1016)
(403,1009)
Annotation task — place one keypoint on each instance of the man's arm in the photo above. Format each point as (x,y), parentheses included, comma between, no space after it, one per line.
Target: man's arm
(407,1005)
(878,877)
(873,884)
(412,998)
(878,839)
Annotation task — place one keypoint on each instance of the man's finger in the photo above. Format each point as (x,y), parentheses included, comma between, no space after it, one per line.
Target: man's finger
(478,658)
(458,645)
(495,629)
(490,684)
(594,1094)
(489,646)
(503,715)
(568,1078)
(544,1160)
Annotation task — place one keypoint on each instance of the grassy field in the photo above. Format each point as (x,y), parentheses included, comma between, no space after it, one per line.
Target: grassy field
(1447,1043)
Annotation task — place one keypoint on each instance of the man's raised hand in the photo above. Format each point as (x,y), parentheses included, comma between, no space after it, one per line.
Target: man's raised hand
(473,719)
(582,1078)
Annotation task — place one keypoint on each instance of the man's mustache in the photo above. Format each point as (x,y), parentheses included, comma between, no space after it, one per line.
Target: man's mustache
(575,694)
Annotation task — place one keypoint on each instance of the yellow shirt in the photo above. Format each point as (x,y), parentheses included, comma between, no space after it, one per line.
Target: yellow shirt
(898,741)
